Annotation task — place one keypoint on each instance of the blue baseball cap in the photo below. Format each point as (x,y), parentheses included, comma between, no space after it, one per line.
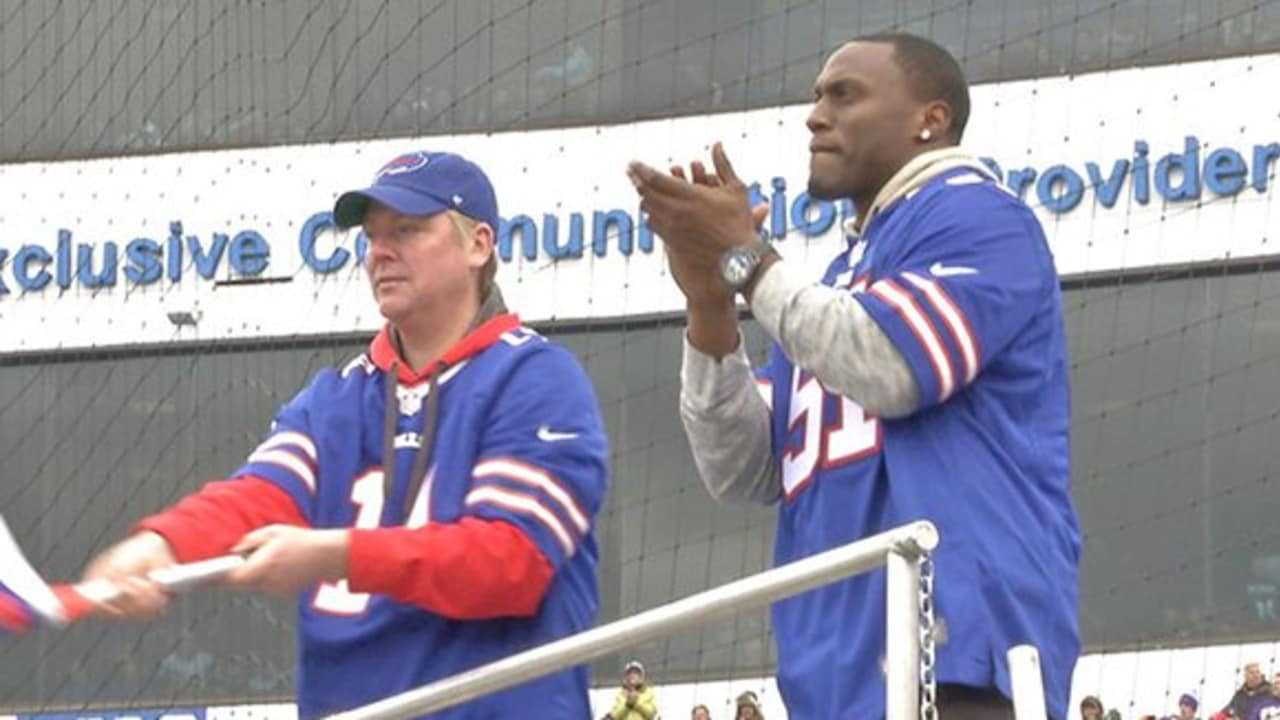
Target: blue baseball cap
(423,183)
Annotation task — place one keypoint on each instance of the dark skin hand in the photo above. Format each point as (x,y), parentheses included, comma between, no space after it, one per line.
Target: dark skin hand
(699,219)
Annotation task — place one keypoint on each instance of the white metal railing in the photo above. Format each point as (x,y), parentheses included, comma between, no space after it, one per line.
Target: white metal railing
(899,549)
(1027,681)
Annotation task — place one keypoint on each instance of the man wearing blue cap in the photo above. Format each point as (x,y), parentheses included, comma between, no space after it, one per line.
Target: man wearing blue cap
(432,504)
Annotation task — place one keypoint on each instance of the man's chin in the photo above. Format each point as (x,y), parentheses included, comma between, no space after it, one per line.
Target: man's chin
(391,310)
(825,171)
(821,189)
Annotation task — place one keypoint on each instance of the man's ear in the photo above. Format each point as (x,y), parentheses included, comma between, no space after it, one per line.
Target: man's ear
(482,244)
(937,119)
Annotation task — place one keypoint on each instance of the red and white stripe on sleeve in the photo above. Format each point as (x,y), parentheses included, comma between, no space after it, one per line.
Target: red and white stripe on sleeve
(953,318)
(292,452)
(534,493)
(905,305)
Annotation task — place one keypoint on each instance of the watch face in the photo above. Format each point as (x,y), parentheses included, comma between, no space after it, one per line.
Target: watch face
(737,265)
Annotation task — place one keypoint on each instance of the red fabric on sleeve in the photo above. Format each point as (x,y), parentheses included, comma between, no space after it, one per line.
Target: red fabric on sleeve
(471,569)
(14,617)
(208,523)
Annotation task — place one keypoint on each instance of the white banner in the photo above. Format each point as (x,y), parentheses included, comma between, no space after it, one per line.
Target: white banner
(1126,169)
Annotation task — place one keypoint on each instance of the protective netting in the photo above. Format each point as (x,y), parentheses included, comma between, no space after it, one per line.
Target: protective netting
(1142,132)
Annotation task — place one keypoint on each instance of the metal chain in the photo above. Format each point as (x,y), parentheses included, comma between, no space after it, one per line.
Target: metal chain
(928,639)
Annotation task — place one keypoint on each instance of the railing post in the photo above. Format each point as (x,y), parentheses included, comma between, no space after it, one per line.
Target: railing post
(1027,680)
(902,636)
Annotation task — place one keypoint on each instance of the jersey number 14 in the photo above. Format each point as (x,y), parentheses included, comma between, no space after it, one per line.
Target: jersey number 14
(336,598)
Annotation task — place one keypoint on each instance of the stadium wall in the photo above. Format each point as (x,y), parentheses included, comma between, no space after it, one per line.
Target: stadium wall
(1157,181)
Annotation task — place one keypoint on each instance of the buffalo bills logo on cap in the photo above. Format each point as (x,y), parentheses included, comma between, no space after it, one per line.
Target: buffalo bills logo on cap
(404,164)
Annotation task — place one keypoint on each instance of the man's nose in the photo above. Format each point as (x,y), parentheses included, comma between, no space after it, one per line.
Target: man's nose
(378,245)
(817,119)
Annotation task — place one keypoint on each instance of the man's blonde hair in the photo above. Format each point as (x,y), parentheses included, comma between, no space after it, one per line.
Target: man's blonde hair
(465,227)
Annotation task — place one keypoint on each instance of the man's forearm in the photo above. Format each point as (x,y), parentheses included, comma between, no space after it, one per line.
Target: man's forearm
(210,521)
(827,332)
(727,422)
(713,327)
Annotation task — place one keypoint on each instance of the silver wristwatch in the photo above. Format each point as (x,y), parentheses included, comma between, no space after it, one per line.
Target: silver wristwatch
(739,265)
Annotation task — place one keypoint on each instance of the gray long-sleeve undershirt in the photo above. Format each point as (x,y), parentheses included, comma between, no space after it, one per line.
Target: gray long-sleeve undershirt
(821,329)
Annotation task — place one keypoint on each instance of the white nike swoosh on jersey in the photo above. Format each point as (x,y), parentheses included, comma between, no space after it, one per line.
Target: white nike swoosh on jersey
(546,434)
(939,270)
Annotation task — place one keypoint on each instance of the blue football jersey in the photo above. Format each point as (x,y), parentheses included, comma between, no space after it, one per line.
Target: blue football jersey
(959,276)
(519,438)
(1267,708)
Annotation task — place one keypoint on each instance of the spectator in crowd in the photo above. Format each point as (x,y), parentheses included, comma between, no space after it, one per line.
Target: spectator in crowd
(1268,707)
(1091,708)
(748,707)
(1255,690)
(635,699)
(701,712)
(1187,707)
